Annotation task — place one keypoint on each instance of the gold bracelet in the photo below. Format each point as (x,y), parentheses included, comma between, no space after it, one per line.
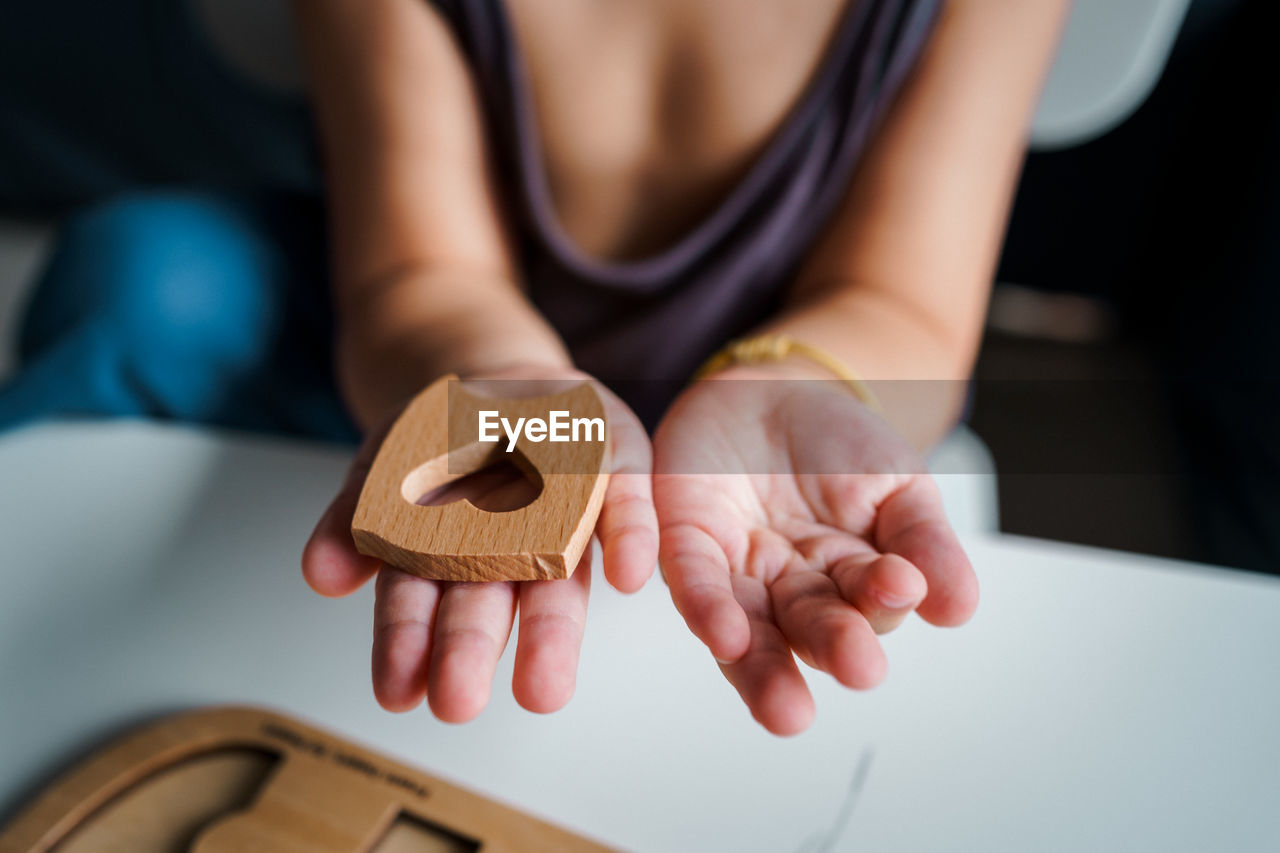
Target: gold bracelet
(770,348)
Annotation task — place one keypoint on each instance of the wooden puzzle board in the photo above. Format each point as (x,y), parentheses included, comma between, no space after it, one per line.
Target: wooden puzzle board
(240,779)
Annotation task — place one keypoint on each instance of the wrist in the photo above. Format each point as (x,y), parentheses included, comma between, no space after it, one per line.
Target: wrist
(379,371)
(788,368)
(782,356)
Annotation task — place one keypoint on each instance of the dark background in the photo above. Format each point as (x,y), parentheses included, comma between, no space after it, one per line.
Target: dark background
(1167,227)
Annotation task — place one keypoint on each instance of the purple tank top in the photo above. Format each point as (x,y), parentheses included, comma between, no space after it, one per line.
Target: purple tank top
(644,326)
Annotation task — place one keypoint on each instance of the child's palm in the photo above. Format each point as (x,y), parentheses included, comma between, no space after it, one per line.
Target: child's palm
(442,639)
(794,520)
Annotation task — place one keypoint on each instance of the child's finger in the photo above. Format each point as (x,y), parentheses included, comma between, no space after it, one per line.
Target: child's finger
(628,531)
(628,525)
(912,523)
(472,625)
(884,588)
(766,676)
(553,616)
(403,613)
(826,631)
(697,571)
(331,564)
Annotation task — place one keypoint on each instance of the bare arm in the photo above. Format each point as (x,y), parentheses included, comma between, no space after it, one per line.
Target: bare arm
(899,284)
(425,282)
(847,538)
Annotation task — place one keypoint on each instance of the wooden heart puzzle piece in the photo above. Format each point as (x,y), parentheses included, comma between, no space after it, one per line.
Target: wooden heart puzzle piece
(228,780)
(438,439)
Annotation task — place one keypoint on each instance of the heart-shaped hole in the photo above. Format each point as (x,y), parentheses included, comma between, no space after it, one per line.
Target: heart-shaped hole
(487,476)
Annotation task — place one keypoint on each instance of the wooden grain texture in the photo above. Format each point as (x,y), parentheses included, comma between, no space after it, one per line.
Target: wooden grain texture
(436,441)
(322,795)
(167,810)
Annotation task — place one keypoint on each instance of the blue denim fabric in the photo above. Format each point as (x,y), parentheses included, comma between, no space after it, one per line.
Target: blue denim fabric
(188,280)
(186,305)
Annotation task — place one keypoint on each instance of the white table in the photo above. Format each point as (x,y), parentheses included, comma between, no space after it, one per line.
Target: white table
(1098,701)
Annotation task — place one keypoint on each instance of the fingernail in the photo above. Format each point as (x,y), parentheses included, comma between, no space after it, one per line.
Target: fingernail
(720,660)
(895,602)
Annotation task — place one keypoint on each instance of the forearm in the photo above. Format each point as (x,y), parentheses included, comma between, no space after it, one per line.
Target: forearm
(396,338)
(897,287)
(424,274)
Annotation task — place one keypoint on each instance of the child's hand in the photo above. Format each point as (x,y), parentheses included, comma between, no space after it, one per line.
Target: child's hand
(793,518)
(442,639)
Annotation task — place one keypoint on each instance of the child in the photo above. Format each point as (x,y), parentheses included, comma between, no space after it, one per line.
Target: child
(615,190)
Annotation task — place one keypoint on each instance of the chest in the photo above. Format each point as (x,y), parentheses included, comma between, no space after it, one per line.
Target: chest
(649,111)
